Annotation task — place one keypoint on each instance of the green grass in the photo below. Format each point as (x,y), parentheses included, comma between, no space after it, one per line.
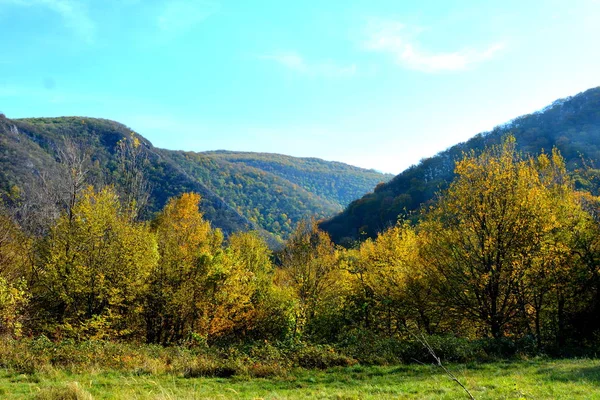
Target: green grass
(534,379)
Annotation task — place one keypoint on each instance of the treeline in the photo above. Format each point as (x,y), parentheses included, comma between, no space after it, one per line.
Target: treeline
(509,251)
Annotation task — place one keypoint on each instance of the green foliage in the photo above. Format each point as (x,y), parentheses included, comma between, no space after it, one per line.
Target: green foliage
(321,357)
(370,348)
(338,182)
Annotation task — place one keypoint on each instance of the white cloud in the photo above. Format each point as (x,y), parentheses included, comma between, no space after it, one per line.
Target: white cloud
(73,13)
(394,38)
(179,16)
(296,62)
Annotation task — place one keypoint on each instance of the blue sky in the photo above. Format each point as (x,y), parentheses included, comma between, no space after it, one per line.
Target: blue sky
(378,84)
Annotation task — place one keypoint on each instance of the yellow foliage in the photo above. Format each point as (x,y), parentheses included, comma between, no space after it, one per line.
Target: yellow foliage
(95,263)
(496,222)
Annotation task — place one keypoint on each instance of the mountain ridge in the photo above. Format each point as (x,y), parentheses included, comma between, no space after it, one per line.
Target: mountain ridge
(571,124)
(236,195)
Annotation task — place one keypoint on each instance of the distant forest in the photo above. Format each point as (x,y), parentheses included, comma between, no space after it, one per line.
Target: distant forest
(240,191)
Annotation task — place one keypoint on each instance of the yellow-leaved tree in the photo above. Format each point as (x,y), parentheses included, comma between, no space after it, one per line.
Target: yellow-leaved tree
(270,313)
(311,270)
(176,302)
(392,287)
(480,237)
(15,256)
(92,270)
(203,291)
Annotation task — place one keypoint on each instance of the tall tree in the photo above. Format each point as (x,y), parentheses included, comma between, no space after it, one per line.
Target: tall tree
(393,286)
(483,231)
(176,301)
(270,313)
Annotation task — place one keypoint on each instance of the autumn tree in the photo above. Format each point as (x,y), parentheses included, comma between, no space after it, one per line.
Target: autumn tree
(92,270)
(271,306)
(15,258)
(310,269)
(550,272)
(175,303)
(484,230)
(391,287)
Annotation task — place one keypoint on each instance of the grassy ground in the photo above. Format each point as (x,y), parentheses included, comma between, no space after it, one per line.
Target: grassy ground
(535,379)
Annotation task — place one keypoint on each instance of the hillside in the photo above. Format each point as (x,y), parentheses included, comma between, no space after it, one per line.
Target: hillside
(240,191)
(572,125)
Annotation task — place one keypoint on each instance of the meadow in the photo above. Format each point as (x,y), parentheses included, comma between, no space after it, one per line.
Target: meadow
(538,378)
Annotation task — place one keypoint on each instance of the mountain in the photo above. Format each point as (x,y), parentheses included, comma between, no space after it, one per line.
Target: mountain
(572,125)
(240,191)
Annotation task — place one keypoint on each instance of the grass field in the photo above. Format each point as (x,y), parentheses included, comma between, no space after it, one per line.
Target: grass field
(534,379)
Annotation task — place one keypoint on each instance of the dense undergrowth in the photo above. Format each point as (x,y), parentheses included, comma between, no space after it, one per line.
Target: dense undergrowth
(261,359)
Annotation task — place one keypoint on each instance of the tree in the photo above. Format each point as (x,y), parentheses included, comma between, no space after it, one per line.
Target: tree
(93,269)
(132,183)
(270,316)
(310,268)
(176,299)
(15,257)
(483,232)
(393,287)
(55,191)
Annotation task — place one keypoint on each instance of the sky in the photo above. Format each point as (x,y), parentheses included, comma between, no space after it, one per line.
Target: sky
(373,83)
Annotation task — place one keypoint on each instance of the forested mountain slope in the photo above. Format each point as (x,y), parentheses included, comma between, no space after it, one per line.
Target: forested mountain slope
(239,190)
(572,125)
(334,181)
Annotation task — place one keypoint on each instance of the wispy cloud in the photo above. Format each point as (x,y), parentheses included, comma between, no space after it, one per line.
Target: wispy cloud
(295,62)
(396,39)
(73,13)
(178,16)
